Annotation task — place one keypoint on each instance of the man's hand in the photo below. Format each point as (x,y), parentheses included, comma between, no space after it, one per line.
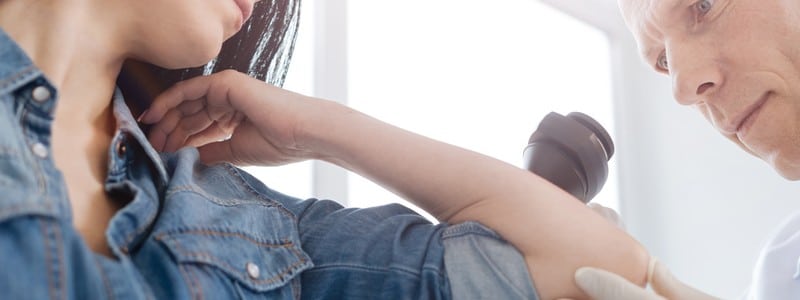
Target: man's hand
(603,285)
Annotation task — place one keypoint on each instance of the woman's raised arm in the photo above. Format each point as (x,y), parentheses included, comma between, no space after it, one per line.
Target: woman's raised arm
(555,233)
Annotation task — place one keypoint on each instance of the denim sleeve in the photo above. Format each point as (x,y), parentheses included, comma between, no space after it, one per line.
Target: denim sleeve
(391,252)
(385,252)
(481,265)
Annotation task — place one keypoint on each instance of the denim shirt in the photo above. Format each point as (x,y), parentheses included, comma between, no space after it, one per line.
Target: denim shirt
(193,231)
(189,231)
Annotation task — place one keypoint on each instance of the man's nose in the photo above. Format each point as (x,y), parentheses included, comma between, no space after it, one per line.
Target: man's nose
(695,75)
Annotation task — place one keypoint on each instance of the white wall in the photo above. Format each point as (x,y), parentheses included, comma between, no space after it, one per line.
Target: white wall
(690,196)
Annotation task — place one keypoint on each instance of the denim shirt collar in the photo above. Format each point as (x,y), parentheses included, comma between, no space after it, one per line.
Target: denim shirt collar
(17,69)
(127,124)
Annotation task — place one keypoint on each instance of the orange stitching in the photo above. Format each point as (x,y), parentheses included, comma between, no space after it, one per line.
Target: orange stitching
(236,173)
(228,267)
(27,71)
(234,234)
(189,280)
(201,292)
(106,284)
(62,268)
(234,270)
(220,201)
(47,258)
(14,209)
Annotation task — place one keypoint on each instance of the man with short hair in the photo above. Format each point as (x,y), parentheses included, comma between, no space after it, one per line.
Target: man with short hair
(738,63)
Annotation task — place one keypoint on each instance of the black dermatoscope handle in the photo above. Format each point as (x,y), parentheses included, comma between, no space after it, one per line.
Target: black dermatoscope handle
(572,152)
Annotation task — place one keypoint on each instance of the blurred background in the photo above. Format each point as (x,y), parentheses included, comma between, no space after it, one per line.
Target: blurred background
(482,74)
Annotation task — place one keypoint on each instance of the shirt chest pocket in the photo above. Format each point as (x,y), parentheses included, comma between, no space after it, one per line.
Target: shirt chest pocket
(217,264)
(225,237)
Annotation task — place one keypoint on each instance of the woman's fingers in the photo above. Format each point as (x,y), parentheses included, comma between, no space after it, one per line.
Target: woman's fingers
(216,131)
(229,116)
(160,132)
(230,150)
(190,107)
(179,125)
(194,130)
(188,90)
(185,128)
(212,134)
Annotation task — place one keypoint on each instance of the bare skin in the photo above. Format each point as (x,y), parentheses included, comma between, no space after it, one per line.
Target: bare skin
(555,233)
(82,127)
(93,40)
(736,61)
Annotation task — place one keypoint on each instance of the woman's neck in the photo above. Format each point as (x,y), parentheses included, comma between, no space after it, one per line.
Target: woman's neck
(74,49)
(81,56)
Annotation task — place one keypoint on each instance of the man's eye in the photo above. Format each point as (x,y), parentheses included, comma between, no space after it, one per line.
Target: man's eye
(704,6)
(662,62)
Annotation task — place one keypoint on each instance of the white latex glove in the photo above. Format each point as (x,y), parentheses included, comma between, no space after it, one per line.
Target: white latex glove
(603,285)
(608,213)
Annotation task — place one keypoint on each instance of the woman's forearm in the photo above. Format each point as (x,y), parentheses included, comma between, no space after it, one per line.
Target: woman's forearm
(555,232)
(261,124)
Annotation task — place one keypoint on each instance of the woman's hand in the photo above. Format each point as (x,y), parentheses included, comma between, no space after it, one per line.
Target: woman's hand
(272,126)
(230,117)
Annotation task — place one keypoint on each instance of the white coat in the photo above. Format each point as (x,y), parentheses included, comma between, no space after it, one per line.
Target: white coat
(777,272)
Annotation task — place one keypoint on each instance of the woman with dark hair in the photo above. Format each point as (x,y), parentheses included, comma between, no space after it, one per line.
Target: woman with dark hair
(262,50)
(92,210)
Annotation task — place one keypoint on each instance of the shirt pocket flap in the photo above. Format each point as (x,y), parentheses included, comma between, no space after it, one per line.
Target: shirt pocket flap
(257,264)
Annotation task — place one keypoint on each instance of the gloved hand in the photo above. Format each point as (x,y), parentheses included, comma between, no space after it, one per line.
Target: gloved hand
(603,285)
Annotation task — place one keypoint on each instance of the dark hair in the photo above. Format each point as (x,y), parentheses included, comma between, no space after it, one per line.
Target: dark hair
(262,49)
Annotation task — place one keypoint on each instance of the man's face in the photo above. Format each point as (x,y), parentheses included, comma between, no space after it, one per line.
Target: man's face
(736,61)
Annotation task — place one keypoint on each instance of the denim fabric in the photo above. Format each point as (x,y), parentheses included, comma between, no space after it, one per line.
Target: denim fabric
(482,265)
(197,231)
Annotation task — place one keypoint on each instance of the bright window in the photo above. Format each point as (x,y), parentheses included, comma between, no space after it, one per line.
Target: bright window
(476,74)
(295,179)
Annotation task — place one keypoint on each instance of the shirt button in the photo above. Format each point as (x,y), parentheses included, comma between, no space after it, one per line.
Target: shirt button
(253,271)
(39,150)
(41,93)
(121,149)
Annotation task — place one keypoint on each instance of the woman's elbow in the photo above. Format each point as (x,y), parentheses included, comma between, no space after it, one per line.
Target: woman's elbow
(553,271)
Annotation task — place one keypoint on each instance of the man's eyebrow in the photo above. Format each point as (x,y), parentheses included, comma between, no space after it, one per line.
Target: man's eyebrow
(650,56)
(650,45)
(678,4)
(670,6)
(650,52)
(652,15)
(666,9)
